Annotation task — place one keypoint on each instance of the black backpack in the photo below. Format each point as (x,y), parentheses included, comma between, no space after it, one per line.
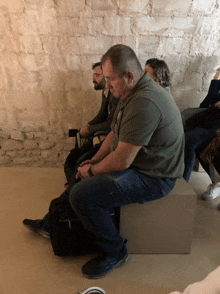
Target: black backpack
(67,234)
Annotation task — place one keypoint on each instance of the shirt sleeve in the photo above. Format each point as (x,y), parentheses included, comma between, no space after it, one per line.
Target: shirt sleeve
(139,123)
(212,96)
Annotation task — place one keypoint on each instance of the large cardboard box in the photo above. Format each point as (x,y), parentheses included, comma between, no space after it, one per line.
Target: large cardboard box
(161,226)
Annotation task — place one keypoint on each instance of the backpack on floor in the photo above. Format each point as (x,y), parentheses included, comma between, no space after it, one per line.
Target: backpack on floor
(67,233)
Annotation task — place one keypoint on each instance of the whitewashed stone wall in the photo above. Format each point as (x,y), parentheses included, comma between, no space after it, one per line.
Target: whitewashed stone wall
(47,49)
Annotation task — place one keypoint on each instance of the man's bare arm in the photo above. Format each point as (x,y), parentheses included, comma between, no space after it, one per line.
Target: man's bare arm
(119,159)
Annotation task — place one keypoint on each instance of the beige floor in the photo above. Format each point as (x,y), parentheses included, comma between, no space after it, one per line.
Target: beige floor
(28,265)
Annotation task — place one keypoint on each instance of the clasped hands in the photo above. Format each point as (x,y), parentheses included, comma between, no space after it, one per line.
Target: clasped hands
(83,169)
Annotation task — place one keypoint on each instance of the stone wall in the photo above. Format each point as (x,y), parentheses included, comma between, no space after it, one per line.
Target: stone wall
(47,48)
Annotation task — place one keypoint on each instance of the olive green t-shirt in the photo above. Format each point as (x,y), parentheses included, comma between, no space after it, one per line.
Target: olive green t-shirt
(149,117)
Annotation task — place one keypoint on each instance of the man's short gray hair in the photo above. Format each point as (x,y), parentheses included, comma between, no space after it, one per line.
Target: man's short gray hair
(122,58)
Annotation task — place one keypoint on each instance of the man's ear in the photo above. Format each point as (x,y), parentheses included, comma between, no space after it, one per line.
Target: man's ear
(129,77)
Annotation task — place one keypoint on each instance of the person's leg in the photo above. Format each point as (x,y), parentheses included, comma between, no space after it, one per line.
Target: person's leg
(92,199)
(194,139)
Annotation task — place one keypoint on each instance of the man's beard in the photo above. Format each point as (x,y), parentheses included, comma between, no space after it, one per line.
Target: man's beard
(99,86)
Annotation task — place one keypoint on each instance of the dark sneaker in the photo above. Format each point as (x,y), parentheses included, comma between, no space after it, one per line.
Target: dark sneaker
(36,226)
(101,265)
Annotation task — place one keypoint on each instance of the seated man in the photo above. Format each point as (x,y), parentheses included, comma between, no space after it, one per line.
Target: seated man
(138,161)
(101,122)
(202,128)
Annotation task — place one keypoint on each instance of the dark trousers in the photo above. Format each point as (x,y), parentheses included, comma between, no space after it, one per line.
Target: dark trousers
(195,139)
(93,198)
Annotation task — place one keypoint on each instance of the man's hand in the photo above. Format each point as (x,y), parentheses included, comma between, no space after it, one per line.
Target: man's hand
(217,104)
(83,172)
(84,131)
(89,161)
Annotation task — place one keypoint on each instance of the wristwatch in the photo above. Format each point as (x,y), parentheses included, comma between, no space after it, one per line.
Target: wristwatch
(90,173)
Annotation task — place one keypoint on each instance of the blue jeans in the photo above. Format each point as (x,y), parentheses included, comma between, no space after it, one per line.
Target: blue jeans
(93,198)
(194,139)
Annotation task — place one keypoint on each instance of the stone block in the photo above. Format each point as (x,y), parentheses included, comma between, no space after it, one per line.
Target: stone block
(12,6)
(73,62)
(45,144)
(24,100)
(41,135)
(26,24)
(11,153)
(29,135)
(74,80)
(50,44)
(53,81)
(57,100)
(69,8)
(32,119)
(3,117)
(30,144)
(5,161)
(33,152)
(47,22)
(146,24)
(89,44)
(171,8)
(203,6)
(57,62)
(148,44)
(131,6)
(174,46)
(117,26)
(108,5)
(10,144)
(207,25)
(35,62)
(17,135)
(95,26)
(2,152)
(22,161)
(21,153)
(178,63)
(26,81)
(74,26)
(199,45)
(31,44)
(48,155)
(130,41)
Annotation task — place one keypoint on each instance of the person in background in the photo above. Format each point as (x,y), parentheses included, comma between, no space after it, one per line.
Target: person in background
(158,70)
(201,129)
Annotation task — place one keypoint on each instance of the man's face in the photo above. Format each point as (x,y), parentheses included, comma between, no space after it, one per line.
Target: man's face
(116,84)
(98,78)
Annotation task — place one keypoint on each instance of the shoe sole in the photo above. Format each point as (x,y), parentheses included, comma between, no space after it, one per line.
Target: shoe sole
(38,232)
(121,262)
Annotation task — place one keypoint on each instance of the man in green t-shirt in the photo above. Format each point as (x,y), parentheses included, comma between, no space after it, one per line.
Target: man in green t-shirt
(139,160)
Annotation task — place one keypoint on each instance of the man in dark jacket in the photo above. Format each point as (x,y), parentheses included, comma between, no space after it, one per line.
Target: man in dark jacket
(99,124)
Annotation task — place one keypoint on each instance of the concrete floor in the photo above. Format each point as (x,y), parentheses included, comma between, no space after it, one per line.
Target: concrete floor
(28,265)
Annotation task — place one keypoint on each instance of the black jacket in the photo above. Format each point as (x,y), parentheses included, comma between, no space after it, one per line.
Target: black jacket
(103,120)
